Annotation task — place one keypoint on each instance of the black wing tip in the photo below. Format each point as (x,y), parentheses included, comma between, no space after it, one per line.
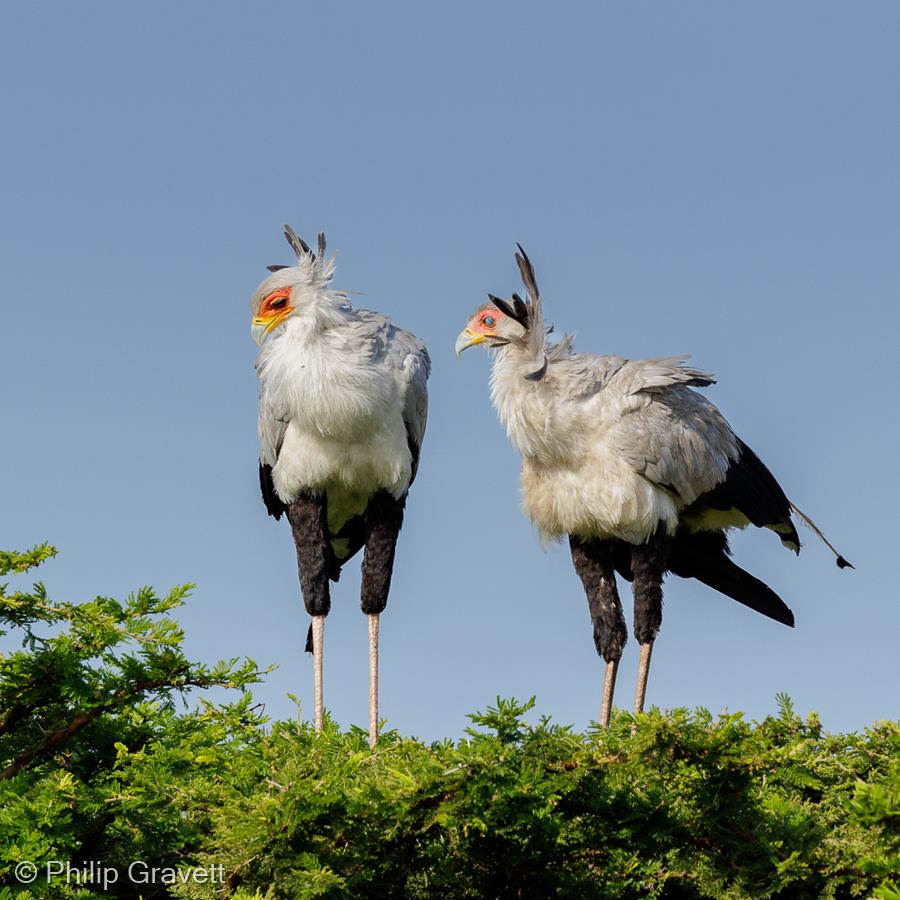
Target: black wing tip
(843,563)
(271,500)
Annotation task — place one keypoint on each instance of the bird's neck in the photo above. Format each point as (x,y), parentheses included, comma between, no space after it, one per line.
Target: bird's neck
(327,310)
(524,403)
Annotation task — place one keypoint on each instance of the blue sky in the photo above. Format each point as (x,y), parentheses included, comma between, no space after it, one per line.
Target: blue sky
(693,178)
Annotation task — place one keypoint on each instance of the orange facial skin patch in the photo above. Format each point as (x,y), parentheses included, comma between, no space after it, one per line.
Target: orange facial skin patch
(267,308)
(274,309)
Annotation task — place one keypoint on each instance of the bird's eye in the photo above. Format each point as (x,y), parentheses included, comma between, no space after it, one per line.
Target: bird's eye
(280,303)
(488,321)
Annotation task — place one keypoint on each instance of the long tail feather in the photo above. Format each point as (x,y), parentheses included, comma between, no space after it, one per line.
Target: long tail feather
(841,562)
(704,557)
(733,581)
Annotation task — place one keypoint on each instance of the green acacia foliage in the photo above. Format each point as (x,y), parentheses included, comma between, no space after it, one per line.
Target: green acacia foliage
(98,761)
(676,805)
(687,806)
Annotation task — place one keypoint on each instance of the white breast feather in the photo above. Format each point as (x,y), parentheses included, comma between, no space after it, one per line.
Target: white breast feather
(579,474)
(343,413)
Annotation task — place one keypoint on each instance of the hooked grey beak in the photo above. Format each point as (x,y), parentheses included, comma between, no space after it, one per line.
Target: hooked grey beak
(258,333)
(467,339)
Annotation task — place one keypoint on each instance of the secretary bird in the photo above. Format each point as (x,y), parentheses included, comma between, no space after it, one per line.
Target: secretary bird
(342,408)
(641,472)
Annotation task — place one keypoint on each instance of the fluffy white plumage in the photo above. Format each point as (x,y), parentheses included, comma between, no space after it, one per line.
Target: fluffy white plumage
(610,447)
(343,397)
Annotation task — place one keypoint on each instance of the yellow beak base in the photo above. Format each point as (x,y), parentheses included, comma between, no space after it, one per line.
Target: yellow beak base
(467,339)
(260,326)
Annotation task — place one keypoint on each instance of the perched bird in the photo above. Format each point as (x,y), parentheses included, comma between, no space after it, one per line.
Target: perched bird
(640,471)
(342,408)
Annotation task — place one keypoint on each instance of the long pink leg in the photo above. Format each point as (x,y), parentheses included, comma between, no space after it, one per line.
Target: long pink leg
(373,678)
(609,686)
(318,635)
(643,673)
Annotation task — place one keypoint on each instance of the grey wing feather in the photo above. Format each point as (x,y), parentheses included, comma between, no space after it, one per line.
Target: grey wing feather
(655,374)
(408,358)
(667,432)
(416,367)
(580,376)
(272,426)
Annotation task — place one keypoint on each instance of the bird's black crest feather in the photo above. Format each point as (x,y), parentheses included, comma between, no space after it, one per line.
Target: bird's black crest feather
(526,269)
(513,311)
(521,310)
(297,243)
(276,268)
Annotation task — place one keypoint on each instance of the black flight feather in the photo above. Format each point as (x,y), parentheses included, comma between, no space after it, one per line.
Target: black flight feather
(705,556)
(750,487)
(272,501)
(414,451)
